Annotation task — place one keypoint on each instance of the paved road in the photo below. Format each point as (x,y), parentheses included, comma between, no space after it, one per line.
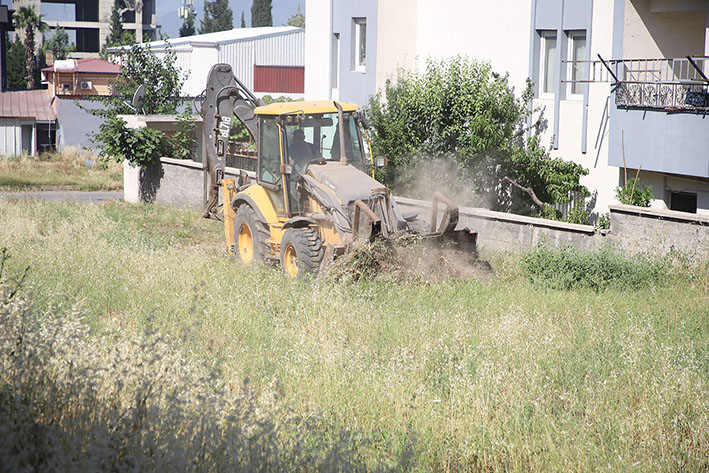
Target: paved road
(56,196)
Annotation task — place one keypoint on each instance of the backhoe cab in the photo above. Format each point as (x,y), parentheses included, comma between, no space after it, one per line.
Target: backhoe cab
(313,194)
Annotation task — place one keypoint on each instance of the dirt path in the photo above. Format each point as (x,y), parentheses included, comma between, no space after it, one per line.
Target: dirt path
(57,196)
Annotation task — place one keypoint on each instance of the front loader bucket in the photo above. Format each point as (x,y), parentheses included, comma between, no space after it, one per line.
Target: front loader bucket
(444,233)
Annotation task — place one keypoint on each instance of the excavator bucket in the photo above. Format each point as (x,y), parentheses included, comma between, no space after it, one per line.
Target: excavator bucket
(443,232)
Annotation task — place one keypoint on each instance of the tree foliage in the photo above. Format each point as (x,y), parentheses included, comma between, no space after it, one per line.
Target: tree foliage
(187,28)
(117,36)
(243,21)
(162,79)
(163,82)
(632,193)
(217,17)
(16,66)
(460,112)
(140,146)
(298,19)
(59,44)
(27,19)
(261,13)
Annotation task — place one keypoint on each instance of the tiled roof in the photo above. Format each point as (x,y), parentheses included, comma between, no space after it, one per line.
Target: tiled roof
(91,65)
(26,104)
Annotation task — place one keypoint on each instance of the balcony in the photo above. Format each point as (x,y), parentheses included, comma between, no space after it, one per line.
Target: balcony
(658,113)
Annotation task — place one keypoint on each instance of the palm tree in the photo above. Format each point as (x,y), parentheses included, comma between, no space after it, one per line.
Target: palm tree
(28,19)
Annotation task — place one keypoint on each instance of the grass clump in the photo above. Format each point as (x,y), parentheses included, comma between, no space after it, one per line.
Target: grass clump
(71,169)
(571,268)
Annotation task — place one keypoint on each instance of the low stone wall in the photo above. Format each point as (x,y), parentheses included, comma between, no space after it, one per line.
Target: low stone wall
(508,232)
(181,183)
(175,182)
(645,230)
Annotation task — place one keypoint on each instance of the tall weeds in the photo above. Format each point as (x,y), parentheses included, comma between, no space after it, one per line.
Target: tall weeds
(71,400)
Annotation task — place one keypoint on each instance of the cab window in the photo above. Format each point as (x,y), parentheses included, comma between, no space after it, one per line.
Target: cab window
(270,153)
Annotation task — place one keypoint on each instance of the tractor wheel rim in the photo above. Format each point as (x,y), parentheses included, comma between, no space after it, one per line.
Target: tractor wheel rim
(290,261)
(246,244)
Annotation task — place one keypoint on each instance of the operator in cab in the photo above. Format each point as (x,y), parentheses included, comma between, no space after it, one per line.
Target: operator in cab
(300,151)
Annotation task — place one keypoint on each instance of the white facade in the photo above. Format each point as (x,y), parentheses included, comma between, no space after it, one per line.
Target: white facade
(532,39)
(241,48)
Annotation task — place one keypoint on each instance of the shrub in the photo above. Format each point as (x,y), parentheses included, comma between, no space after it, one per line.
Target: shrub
(570,268)
(461,111)
(634,194)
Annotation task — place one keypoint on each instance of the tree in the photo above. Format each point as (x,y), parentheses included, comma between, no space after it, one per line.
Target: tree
(217,17)
(27,19)
(162,81)
(462,122)
(261,13)
(117,36)
(298,19)
(58,44)
(187,28)
(243,21)
(16,66)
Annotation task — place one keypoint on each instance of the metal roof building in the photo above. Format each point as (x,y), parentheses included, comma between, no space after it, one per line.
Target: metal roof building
(27,122)
(268,60)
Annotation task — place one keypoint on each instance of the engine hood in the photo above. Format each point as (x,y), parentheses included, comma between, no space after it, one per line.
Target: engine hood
(346,181)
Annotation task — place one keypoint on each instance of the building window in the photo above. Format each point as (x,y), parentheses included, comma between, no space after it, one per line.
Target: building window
(683,201)
(577,52)
(359,44)
(547,70)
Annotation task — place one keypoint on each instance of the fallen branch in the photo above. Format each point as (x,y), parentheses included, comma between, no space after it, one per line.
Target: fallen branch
(528,190)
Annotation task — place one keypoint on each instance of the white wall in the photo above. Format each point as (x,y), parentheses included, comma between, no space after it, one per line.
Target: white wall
(495,31)
(318,43)
(11,136)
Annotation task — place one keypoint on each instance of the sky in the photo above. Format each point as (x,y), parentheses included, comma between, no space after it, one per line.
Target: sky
(166,12)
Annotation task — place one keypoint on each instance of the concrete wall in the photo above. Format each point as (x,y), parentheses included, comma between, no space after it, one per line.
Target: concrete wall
(663,34)
(181,183)
(499,231)
(75,123)
(639,230)
(175,182)
(397,29)
(660,141)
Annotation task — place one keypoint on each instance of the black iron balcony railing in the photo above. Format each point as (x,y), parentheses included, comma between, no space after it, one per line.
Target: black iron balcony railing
(678,84)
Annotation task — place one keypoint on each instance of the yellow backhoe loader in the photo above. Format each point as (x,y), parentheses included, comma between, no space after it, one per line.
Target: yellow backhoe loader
(314,193)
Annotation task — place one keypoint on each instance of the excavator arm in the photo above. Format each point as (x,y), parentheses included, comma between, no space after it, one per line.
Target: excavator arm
(224,97)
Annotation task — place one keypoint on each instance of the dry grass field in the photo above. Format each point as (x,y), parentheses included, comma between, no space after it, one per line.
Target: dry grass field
(134,343)
(69,170)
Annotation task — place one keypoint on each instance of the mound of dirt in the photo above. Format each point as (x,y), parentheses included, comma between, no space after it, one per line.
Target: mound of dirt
(423,260)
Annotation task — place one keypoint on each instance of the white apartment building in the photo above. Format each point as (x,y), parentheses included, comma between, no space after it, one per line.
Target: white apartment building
(635,115)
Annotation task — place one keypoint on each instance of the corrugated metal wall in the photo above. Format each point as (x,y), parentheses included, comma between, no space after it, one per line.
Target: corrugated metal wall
(286,49)
(280,50)
(10,137)
(279,79)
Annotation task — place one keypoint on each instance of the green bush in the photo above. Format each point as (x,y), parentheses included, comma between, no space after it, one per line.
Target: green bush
(632,193)
(570,268)
(463,113)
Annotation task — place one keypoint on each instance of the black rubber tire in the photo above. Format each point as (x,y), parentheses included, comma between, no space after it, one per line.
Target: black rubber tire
(245,215)
(308,249)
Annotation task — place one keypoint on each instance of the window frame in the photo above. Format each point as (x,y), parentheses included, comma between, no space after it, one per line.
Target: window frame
(571,38)
(359,64)
(544,36)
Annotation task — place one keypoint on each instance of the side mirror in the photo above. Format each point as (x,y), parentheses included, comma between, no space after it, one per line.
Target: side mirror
(380,162)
